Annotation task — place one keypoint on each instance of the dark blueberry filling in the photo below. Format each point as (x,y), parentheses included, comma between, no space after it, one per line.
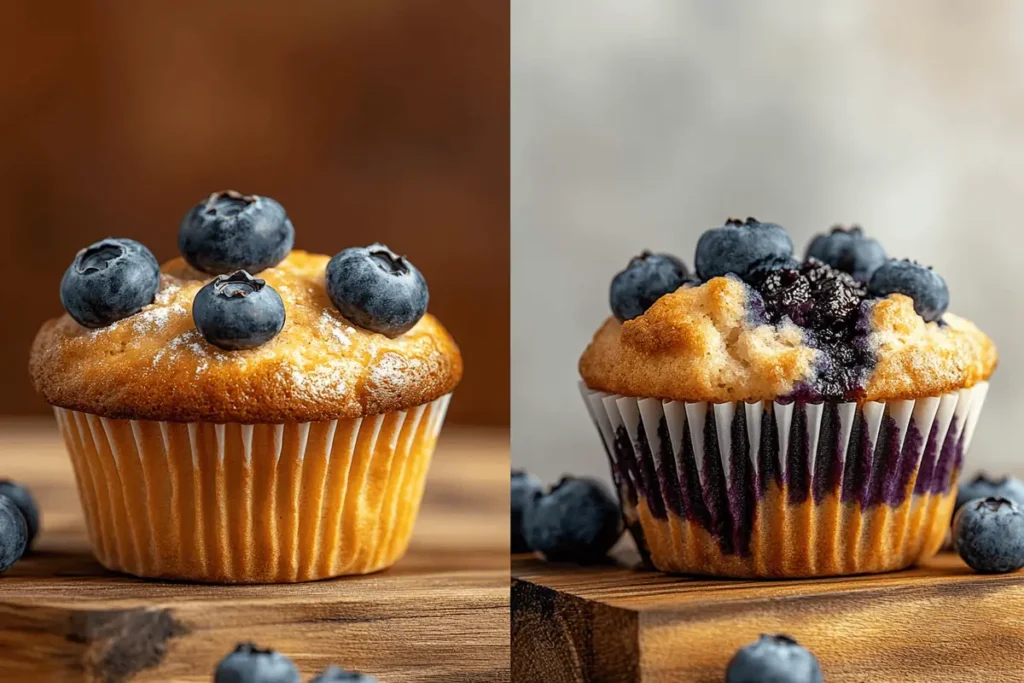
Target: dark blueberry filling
(830,307)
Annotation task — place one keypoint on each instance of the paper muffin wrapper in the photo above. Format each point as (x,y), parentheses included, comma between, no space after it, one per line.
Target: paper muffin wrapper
(777,489)
(264,503)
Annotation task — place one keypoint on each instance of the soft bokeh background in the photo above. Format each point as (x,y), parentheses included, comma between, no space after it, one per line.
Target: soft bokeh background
(370,120)
(643,123)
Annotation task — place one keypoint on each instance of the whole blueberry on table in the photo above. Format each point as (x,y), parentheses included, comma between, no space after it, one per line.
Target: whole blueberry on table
(577,521)
(334,674)
(250,664)
(238,311)
(647,278)
(740,246)
(984,487)
(13,533)
(920,283)
(525,487)
(988,533)
(108,281)
(231,231)
(848,250)
(26,504)
(376,289)
(773,659)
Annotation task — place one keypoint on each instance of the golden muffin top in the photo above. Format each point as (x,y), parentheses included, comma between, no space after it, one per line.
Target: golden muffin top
(156,365)
(756,324)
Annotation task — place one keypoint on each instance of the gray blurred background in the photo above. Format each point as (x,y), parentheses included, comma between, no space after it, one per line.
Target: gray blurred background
(641,123)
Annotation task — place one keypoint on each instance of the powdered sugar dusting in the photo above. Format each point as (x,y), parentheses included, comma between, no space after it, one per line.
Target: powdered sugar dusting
(330,326)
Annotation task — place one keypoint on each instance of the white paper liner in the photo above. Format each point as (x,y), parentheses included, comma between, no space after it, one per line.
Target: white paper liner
(239,503)
(656,427)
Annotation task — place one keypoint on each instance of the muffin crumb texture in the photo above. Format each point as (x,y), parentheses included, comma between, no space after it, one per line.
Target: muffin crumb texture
(709,343)
(156,365)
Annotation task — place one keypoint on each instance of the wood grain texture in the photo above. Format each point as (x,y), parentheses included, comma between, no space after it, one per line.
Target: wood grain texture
(440,614)
(618,622)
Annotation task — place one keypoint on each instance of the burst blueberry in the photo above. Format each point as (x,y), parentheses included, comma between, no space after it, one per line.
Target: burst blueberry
(13,533)
(577,521)
(231,231)
(376,289)
(334,674)
(251,664)
(525,488)
(647,278)
(740,246)
(109,281)
(26,503)
(982,486)
(920,283)
(848,250)
(238,311)
(988,533)
(773,659)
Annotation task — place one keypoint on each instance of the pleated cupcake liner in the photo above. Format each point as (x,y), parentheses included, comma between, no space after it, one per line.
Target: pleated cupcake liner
(786,489)
(263,503)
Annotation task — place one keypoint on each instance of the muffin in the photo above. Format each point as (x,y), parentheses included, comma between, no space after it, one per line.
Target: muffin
(247,413)
(770,417)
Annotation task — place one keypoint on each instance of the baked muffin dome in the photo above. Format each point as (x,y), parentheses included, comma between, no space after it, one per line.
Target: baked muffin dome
(864,329)
(155,365)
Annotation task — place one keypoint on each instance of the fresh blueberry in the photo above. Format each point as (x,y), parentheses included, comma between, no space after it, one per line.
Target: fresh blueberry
(13,533)
(848,250)
(525,487)
(577,521)
(231,231)
(333,674)
(739,246)
(238,311)
(26,503)
(109,280)
(773,659)
(984,487)
(375,288)
(647,278)
(989,535)
(922,284)
(250,664)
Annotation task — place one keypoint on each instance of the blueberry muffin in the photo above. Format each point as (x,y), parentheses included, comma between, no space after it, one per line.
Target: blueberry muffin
(247,413)
(771,417)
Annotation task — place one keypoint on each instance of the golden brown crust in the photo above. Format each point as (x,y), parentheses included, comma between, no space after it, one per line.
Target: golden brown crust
(917,359)
(155,365)
(699,344)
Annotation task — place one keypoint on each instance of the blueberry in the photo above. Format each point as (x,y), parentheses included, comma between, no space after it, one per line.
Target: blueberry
(812,295)
(109,280)
(250,664)
(375,288)
(525,487)
(333,674)
(984,487)
(773,659)
(238,311)
(848,250)
(231,231)
(13,533)
(647,278)
(26,503)
(577,521)
(923,285)
(989,535)
(739,246)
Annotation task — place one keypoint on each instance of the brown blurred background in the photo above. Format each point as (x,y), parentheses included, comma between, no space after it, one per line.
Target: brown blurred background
(370,120)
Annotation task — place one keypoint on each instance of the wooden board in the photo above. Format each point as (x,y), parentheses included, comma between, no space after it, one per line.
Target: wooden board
(939,622)
(440,614)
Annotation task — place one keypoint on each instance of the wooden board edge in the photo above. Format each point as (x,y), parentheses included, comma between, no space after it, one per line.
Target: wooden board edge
(561,637)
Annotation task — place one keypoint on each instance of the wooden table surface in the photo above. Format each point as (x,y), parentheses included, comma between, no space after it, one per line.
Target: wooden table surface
(937,622)
(441,614)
